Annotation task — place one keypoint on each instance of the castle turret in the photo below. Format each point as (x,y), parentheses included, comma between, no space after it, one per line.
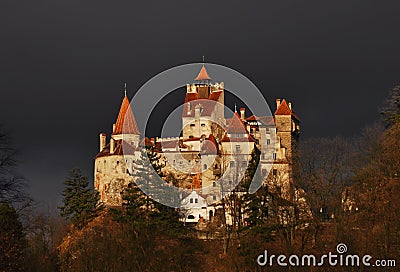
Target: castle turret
(288,128)
(115,160)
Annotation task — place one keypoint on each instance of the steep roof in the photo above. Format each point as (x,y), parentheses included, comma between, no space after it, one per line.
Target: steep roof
(203,75)
(126,122)
(210,146)
(236,125)
(284,109)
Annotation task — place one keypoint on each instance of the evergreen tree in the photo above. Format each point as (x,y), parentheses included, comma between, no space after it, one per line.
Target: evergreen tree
(80,202)
(256,205)
(140,199)
(12,239)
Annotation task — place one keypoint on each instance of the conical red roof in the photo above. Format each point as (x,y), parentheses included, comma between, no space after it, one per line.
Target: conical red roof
(126,122)
(203,75)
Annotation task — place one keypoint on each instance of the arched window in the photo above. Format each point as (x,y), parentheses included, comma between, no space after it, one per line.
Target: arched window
(205,166)
(191,216)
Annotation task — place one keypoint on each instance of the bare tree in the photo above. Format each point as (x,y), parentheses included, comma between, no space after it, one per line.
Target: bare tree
(11,184)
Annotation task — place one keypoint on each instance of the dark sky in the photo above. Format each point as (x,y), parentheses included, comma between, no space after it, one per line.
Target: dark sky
(63,64)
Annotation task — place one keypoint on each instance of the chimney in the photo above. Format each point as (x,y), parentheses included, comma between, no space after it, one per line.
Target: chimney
(197,111)
(102,141)
(112,146)
(278,103)
(290,105)
(242,111)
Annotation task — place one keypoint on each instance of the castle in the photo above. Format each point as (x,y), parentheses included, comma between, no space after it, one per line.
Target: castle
(212,153)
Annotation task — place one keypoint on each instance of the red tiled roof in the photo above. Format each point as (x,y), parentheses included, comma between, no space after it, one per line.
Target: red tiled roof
(215,95)
(126,122)
(206,104)
(284,109)
(192,139)
(146,142)
(236,125)
(173,144)
(210,146)
(121,148)
(203,75)
(249,138)
(267,120)
(191,97)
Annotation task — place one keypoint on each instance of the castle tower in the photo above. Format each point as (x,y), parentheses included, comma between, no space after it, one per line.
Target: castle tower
(115,160)
(288,127)
(204,107)
(287,130)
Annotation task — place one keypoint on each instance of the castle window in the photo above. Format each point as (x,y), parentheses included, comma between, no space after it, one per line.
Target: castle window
(117,162)
(232,164)
(274,156)
(237,148)
(263,156)
(196,200)
(203,125)
(191,216)
(205,167)
(268,141)
(192,125)
(191,200)
(214,197)
(214,184)
(244,163)
(190,136)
